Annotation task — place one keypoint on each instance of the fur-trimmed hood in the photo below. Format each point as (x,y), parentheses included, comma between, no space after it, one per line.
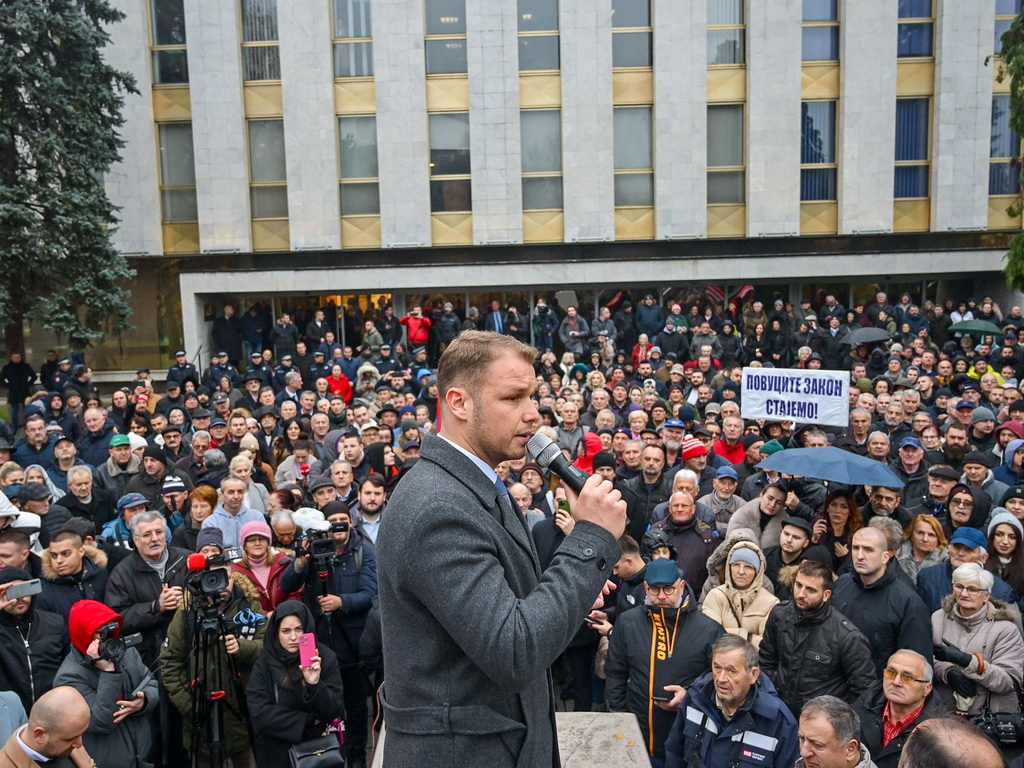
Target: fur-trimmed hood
(718,559)
(998,611)
(97,555)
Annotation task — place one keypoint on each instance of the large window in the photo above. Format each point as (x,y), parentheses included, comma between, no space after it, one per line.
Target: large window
(1006,12)
(268,189)
(821,30)
(353,48)
(916,28)
(1003,172)
(170,59)
(177,172)
(450,187)
(261,58)
(538,35)
(818,150)
(631,33)
(634,158)
(726,165)
(360,192)
(541,132)
(913,139)
(446,36)
(725,32)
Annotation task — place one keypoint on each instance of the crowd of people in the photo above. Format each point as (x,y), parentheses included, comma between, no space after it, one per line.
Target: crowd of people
(757,616)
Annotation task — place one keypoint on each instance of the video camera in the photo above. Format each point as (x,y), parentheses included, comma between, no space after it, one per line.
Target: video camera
(206,578)
(113,647)
(321,542)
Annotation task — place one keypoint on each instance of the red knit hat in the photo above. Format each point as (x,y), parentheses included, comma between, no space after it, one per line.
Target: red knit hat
(692,448)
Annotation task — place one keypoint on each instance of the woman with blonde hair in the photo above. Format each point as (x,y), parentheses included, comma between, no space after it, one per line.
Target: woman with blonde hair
(926,545)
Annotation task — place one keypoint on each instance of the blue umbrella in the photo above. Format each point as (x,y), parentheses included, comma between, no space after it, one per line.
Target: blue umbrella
(833,464)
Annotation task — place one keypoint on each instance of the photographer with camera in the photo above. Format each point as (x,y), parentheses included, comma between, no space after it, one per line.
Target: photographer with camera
(214,639)
(106,669)
(339,574)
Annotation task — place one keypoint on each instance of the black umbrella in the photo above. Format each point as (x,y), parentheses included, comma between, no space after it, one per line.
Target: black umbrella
(866,336)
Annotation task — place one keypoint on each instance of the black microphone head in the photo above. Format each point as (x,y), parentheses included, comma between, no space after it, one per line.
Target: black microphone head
(544,449)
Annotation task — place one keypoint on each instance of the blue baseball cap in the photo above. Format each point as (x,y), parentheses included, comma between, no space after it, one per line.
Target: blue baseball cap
(674,423)
(664,572)
(130,500)
(728,472)
(910,442)
(969,537)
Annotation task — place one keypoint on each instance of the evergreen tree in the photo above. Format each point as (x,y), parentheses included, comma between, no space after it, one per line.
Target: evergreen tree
(60,110)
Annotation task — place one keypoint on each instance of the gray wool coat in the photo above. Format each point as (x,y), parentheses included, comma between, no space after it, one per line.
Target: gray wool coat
(470,626)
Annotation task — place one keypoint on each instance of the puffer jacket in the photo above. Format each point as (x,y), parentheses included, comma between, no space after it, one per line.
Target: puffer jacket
(742,612)
(814,654)
(61,592)
(718,558)
(631,661)
(991,634)
(272,595)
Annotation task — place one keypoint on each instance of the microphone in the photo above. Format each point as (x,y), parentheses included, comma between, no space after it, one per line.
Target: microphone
(549,456)
(196,561)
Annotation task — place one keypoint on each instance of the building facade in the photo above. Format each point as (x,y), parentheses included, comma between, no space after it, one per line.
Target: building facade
(373,150)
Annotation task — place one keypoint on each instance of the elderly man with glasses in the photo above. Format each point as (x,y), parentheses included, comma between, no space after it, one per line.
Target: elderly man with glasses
(891,711)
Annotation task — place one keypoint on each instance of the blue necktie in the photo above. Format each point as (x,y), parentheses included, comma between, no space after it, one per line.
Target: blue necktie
(497,329)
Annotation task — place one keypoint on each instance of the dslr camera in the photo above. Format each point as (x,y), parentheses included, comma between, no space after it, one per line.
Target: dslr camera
(113,647)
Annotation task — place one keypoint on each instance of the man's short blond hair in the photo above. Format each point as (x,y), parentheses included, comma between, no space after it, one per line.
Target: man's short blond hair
(465,361)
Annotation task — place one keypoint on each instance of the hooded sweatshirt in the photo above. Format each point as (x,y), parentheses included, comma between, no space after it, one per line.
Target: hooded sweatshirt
(1005,473)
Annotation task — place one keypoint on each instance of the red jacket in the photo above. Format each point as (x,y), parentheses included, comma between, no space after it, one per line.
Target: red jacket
(342,387)
(734,454)
(272,596)
(417,329)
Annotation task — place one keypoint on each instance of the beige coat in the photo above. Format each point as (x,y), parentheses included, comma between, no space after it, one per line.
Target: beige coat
(992,634)
(742,612)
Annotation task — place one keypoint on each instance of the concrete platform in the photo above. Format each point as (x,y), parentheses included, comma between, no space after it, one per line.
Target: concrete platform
(586,740)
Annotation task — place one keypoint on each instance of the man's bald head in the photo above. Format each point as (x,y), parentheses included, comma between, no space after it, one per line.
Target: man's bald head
(56,723)
(949,742)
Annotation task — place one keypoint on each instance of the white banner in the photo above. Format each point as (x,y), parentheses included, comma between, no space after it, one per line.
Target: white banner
(784,394)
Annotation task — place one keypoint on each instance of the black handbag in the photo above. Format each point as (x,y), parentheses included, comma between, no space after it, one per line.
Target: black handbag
(1002,727)
(321,752)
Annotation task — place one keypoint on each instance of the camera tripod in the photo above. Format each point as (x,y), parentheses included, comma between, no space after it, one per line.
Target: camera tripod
(209,687)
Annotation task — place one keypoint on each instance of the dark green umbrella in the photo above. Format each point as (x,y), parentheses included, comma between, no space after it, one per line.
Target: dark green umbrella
(977,328)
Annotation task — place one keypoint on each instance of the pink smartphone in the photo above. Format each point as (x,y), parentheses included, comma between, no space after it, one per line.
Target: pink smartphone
(307,649)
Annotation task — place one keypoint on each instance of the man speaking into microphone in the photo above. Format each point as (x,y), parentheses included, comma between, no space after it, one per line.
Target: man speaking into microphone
(470,626)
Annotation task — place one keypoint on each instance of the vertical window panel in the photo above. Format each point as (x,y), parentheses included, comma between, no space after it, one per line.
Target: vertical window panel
(1004,149)
(631,13)
(912,148)
(168,38)
(353,60)
(352,18)
(538,52)
(632,137)
(259,25)
(445,17)
(726,181)
(538,15)
(449,144)
(358,137)
(541,133)
(266,150)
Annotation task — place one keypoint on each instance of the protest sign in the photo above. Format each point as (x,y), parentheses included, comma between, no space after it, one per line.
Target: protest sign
(782,394)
